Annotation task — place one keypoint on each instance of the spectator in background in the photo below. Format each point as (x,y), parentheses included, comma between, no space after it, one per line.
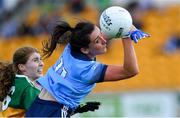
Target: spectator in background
(45,23)
(9,27)
(9,22)
(173,44)
(30,22)
(37,22)
(137,10)
(38,28)
(78,9)
(136,13)
(1,6)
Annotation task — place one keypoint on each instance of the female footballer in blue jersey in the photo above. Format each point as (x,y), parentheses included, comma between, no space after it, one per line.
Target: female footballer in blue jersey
(76,72)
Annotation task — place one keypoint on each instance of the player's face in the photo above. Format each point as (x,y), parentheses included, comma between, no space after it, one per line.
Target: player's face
(98,43)
(34,66)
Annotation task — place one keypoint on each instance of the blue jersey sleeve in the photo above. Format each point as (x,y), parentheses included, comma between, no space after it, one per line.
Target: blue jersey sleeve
(94,73)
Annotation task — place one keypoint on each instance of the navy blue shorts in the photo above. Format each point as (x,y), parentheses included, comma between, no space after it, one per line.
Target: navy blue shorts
(44,108)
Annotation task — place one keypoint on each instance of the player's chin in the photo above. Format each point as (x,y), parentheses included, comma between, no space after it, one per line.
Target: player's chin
(40,74)
(100,51)
(104,50)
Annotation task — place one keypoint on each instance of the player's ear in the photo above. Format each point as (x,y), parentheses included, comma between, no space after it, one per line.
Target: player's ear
(85,50)
(21,67)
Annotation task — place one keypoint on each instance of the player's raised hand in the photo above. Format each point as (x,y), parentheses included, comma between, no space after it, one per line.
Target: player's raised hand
(136,35)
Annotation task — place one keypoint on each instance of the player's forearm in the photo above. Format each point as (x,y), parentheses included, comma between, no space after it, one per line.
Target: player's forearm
(130,61)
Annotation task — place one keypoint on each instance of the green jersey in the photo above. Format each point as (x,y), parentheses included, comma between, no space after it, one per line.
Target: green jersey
(23,93)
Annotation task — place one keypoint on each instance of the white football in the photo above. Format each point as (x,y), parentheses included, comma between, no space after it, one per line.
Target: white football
(115,22)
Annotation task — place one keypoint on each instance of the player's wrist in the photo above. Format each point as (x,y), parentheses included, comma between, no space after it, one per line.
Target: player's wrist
(126,36)
(133,28)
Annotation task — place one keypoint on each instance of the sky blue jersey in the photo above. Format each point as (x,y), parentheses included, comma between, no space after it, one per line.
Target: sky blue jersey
(72,77)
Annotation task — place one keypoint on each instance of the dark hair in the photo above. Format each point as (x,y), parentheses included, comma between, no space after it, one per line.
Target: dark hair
(77,37)
(8,70)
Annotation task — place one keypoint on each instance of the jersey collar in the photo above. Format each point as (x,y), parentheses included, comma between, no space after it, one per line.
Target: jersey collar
(81,56)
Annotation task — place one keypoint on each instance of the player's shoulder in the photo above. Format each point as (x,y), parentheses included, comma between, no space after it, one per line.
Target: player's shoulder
(22,80)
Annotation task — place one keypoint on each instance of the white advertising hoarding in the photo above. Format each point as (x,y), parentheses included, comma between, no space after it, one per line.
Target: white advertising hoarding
(149,104)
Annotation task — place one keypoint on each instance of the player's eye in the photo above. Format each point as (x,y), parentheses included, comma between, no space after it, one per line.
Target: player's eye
(36,60)
(97,40)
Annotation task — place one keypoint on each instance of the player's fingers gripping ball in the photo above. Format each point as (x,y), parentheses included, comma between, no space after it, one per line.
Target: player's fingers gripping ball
(137,35)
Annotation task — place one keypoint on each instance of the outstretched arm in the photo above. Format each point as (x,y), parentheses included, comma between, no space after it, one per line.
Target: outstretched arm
(130,66)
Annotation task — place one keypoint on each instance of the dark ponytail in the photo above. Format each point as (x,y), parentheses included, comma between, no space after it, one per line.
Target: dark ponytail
(78,37)
(60,35)
(7,76)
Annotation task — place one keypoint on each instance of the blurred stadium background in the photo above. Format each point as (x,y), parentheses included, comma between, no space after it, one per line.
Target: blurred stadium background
(153,93)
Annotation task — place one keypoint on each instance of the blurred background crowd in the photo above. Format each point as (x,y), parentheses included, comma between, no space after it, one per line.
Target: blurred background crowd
(29,22)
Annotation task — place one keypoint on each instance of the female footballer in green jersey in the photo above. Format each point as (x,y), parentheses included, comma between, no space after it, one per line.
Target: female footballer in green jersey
(17,87)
